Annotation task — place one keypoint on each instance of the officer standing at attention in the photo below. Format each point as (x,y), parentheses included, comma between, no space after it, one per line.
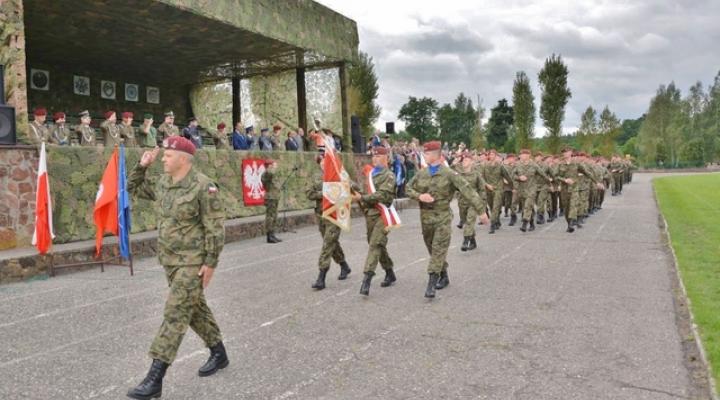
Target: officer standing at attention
(191,235)
(433,187)
(272,194)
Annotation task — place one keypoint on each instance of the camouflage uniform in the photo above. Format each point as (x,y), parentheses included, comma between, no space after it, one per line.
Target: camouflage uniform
(127,132)
(570,194)
(167,130)
(468,214)
(377,235)
(86,135)
(493,173)
(618,176)
(542,195)
(221,141)
(39,132)
(507,199)
(330,232)
(436,217)
(191,234)
(527,190)
(111,133)
(272,195)
(60,135)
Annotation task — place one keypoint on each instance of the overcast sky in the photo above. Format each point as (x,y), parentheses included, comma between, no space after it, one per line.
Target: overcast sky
(618,52)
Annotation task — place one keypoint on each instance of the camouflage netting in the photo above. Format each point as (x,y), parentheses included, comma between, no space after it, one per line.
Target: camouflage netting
(12,56)
(75,173)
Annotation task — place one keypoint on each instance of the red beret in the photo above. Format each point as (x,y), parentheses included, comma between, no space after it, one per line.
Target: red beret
(221,126)
(431,146)
(524,151)
(39,112)
(127,114)
(269,162)
(59,115)
(179,143)
(109,114)
(379,151)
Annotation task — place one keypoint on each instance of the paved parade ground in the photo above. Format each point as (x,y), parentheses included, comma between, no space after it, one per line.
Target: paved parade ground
(541,315)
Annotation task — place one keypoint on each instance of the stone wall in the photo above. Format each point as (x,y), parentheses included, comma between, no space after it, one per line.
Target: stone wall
(75,173)
(12,56)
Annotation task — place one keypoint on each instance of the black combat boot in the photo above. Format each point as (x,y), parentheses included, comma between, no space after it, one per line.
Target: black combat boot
(389,278)
(365,287)
(460,225)
(513,220)
(492,228)
(217,361)
(344,271)
(443,281)
(272,239)
(466,241)
(550,217)
(524,226)
(570,228)
(541,219)
(578,222)
(320,283)
(472,244)
(151,386)
(432,281)
(532,225)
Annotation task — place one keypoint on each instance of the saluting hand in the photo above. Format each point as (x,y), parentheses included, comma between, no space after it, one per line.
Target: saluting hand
(149,157)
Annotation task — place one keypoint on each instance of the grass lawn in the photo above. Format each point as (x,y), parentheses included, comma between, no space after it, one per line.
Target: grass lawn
(691,206)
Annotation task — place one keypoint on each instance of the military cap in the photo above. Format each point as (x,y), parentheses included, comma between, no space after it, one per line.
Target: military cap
(432,146)
(249,128)
(264,130)
(40,112)
(379,151)
(109,114)
(84,113)
(179,143)
(59,115)
(148,116)
(510,155)
(191,119)
(221,126)
(170,114)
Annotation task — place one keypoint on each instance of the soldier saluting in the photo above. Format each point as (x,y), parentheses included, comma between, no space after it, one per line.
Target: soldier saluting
(191,236)
(433,187)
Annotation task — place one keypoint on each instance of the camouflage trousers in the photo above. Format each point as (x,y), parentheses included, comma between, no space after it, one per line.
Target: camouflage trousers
(541,200)
(553,201)
(617,180)
(569,201)
(507,196)
(436,232)
(495,200)
(584,202)
(377,238)
(185,307)
(515,202)
(331,249)
(271,211)
(527,204)
(468,217)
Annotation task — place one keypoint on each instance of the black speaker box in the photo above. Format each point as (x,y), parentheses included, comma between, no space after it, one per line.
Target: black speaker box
(7,125)
(389,127)
(358,142)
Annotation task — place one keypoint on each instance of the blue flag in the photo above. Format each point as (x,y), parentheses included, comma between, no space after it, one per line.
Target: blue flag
(123,208)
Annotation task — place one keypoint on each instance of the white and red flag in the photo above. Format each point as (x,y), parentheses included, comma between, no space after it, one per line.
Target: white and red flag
(336,190)
(43,234)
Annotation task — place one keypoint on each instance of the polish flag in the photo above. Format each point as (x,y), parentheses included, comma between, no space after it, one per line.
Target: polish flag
(43,234)
(106,203)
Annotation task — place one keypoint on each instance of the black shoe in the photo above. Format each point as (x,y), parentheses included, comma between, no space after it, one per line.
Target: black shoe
(389,278)
(492,228)
(570,228)
(460,225)
(464,246)
(365,287)
(524,226)
(217,361)
(513,220)
(540,219)
(443,281)
(472,244)
(320,283)
(432,281)
(344,271)
(532,225)
(272,239)
(151,386)
(560,213)
(578,223)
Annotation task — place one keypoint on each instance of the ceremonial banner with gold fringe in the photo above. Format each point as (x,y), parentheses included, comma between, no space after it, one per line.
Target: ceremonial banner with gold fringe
(336,190)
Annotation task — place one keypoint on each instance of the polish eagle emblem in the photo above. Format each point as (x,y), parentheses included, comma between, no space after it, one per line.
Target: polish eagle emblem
(251,180)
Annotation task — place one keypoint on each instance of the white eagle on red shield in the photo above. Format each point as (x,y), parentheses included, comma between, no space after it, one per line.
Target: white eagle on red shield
(251,180)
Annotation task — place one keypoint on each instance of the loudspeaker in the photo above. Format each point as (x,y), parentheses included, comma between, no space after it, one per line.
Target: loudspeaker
(7,125)
(2,84)
(358,142)
(389,127)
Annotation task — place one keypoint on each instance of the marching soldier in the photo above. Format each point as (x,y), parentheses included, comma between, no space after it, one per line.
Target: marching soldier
(127,131)
(527,175)
(495,174)
(85,133)
(433,187)
(508,191)
(191,237)
(110,130)
(331,249)
(618,175)
(378,200)
(60,134)
(39,132)
(272,195)
(468,217)
(568,172)
(168,127)
(554,197)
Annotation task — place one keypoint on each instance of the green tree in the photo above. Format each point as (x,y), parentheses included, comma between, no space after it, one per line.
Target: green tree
(499,124)
(659,139)
(457,121)
(629,129)
(419,116)
(587,131)
(555,96)
(363,92)
(523,111)
(609,130)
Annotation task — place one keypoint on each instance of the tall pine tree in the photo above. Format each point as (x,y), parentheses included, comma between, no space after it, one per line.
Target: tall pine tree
(523,111)
(555,96)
